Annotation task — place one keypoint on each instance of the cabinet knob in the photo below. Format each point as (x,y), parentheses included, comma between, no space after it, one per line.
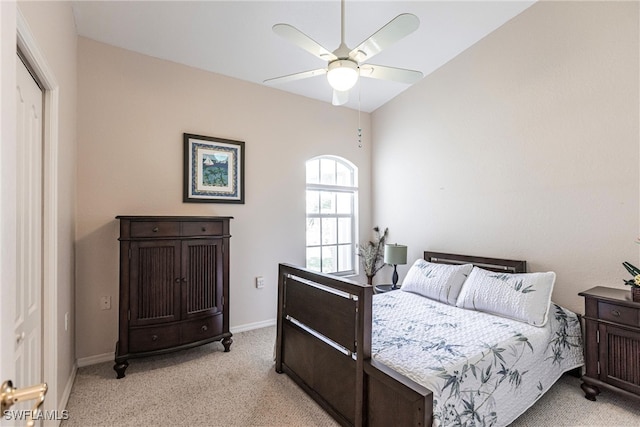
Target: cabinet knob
(184,279)
(204,328)
(154,338)
(615,313)
(177,280)
(204,229)
(155,229)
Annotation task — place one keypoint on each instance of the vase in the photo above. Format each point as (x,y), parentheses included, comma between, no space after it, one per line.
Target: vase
(635,294)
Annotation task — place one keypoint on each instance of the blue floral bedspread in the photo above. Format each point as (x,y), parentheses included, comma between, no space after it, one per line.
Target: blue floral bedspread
(483,370)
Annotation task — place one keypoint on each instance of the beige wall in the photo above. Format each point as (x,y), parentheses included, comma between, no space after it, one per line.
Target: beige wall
(132,112)
(525,146)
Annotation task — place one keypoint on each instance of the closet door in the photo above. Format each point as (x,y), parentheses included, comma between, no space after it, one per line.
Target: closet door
(155,282)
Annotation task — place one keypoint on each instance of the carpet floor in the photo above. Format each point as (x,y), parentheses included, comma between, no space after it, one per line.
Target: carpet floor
(204,386)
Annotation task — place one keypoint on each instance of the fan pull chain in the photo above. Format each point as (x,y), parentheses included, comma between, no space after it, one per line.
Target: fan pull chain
(359,123)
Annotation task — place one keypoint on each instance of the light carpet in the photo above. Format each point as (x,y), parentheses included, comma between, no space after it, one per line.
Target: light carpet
(204,386)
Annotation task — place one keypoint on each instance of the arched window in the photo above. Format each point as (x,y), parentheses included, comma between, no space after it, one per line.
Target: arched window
(332,200)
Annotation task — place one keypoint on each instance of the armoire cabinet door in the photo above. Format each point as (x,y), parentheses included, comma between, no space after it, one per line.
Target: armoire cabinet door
(202,266)
(155,282)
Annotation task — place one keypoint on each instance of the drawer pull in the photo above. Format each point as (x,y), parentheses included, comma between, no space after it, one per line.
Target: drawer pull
(204,229)
(154,338)
(155,229)
(615,313)
(204,328)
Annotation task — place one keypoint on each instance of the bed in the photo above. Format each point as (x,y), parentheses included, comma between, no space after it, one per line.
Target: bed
(454,353)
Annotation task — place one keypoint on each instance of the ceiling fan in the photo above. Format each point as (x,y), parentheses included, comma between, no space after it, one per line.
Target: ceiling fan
(344,65)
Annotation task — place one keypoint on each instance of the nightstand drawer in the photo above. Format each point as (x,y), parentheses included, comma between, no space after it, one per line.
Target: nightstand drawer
(619,314)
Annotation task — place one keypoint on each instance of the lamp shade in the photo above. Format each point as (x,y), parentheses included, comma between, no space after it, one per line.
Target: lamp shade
(342,74)
(395,254)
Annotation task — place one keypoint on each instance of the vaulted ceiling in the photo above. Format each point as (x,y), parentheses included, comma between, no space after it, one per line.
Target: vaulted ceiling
(235,38)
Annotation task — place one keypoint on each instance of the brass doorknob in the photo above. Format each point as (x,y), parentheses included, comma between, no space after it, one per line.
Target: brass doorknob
(10,395)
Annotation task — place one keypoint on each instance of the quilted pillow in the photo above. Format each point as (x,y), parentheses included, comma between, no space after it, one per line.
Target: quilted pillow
(520,296)
(440,282)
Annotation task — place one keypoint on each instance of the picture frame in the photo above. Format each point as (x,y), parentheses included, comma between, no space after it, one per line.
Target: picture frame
(213,170)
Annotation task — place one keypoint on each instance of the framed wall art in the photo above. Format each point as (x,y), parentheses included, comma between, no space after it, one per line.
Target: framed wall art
(213,170)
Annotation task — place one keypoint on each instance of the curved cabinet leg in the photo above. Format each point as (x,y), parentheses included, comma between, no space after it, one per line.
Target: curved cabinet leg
(590,391)
(120,367)
(226,342)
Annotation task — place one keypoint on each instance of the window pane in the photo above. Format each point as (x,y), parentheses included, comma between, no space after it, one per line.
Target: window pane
(313,172)
(328,171)
(345,257)
(329,261)
(343,202)
(313,202)
(345,176)
(344,230)
(313,259)
(327,202)
(313,231)
(329,231)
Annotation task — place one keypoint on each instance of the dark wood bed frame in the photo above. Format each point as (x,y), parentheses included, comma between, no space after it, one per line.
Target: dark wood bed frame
(324,344)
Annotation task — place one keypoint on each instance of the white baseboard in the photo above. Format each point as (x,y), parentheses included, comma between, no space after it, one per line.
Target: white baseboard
(94,360)
(109,357)
(67,388)
(251,326)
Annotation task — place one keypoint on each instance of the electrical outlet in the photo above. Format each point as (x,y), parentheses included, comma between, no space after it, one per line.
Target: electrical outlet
(105,303)
(259,282)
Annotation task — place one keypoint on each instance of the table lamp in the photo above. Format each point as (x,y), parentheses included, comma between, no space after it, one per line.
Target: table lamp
(395,254)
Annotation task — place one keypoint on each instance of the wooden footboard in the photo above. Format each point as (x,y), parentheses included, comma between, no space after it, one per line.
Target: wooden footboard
(324,345)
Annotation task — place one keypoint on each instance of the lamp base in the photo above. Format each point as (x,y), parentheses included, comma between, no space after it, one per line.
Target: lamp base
(394,278)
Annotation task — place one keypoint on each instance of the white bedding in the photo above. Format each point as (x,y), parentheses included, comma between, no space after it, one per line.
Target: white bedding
(482,369)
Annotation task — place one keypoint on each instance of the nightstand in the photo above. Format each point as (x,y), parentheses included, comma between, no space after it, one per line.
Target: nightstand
(612,342)
(381,289)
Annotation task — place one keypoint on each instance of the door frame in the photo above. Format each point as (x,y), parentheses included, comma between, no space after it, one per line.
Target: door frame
(37,62)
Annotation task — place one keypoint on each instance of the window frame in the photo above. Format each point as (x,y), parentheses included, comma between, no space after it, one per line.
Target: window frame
(334,190)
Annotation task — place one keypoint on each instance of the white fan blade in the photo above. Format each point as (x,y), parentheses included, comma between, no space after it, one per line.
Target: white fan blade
(302,40)
(399,27)
(296,76)
(381,72)
(340,97)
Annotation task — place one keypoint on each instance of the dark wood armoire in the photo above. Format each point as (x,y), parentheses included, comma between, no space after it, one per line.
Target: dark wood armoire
(174,285)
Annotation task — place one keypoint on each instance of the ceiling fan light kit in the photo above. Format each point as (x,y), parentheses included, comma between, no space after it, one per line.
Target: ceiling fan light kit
(344,64)
(342,74)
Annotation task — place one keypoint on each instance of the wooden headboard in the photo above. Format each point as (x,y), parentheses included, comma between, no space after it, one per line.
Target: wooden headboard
(493,264)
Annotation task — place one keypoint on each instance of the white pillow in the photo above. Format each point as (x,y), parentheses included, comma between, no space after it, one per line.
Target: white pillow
(520,296)
(440,282)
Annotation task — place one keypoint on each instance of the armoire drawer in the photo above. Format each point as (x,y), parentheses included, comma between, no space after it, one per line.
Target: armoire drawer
(200,329)
(194,229)
(156,338)
(155,229)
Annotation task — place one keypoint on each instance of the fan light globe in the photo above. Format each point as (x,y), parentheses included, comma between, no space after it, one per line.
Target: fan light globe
(342,74)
